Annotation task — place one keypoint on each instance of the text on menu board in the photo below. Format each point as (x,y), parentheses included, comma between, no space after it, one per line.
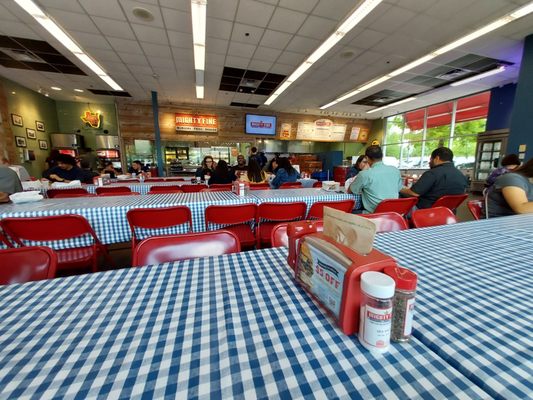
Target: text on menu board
(323,130)
(196,123)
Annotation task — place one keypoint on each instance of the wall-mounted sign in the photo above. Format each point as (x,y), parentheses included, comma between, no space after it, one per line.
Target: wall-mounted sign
(92,119)
(359,134)
(323,130)
(285,132)
(196,123)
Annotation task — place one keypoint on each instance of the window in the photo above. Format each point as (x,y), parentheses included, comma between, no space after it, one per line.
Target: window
(411,137)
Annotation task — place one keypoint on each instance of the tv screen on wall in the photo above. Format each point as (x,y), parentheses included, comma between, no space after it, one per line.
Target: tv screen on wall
(260,125)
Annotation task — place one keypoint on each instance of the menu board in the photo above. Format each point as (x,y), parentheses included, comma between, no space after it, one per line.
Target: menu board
(359,134)
(323,130)
(285,132)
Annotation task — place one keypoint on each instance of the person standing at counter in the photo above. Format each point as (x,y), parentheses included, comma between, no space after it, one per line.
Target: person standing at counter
(207,168)
(222,174)
(65,171)
(284,173)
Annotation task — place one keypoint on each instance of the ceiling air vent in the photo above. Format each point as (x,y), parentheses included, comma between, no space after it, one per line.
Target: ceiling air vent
(247,105)
(453,74)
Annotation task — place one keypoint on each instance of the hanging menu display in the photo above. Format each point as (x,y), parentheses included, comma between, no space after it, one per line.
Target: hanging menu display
(323,130)
(359,134)
(196,123)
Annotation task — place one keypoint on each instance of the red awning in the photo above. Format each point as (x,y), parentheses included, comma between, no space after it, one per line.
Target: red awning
(468,109)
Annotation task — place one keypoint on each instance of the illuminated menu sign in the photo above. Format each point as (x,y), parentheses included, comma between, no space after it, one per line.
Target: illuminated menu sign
(323,130)
(196,123)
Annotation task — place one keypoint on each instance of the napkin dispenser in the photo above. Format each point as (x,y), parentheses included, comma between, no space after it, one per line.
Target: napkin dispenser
(330,273)
(295,231)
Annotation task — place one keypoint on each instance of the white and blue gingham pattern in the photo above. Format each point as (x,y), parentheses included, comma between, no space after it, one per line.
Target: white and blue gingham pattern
(234,326)
(309,196)
(107,215)
(142,188)
(473,304)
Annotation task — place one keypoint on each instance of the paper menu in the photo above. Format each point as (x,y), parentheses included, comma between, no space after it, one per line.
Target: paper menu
(350,230)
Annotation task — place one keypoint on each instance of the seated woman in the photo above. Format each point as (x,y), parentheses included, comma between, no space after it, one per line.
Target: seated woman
(284,173)
(222,174)
(207,168)
(254,174)
(512,193)
(509,163)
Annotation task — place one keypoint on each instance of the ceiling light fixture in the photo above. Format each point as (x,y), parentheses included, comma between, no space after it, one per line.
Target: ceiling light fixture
(494,71)
(518,13)
(198,18)
(78,90)
(347,25)
(55,88)
(61,35)
(391,104)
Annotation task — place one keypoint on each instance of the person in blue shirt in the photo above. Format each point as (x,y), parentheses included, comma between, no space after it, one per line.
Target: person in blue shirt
(284,173)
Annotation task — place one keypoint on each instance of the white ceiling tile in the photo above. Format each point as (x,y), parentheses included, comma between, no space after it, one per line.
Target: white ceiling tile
(166,62)
(259,65)
(149,34)
(266,54)
(103,55)
(213,60)
(247,34)
(111,27)
(134,59)
(128,6)
(444,10)
(367,38)
(276,40)
(177,20)
(337,13)
(90,40)
(368,57)
(241,49)
(216,46)
(180,39)
(156,50)
(391,21)
(219,28)
(237,62)
(317,27)
(299,5)
(183,56)
(303,45)
(291,58)
(6,15)
(74,21)
(183,5)
(254,13)
(223,9)
(72,6)
(140,70)
(287,20)
(124,45)
(17,29)
(116,67)
(104,8)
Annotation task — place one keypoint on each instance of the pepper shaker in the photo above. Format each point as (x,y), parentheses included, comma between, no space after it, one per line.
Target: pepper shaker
(403,303)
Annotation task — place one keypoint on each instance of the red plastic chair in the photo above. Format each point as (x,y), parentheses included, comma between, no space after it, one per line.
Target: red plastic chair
(433,216)
(161,249)
(401,206)
(26,264)
(450,201)
(280,238)
(215,190)
(317,184)
(157,218)
(236,218)
(51,193)
(69,195)
(291,185)
(113,189)
(476,208)
(59,228)
(174,180)
(148,180)
(317,209)
(387,221)
(225,186)
(193,188)
(4,239)
(259,186)
(118,194)
(270,214)
(166,189)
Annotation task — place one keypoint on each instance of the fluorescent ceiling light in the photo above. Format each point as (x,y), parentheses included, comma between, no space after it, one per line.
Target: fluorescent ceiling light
(61,35)
(520,12)
(199,24)
(329,105)
(494,71)
(78,90)
(199,92)
(391,105)
(55,88)
(347,25)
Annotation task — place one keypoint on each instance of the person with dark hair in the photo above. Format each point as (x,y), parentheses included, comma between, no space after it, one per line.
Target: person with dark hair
(109,168)
(512,193)
(89,174)
(222,174)
(138,168)
(254,174)
(207,168)
(284,173)
(377,183)
(90,158)
(9,183)
(65,170)
(442,179)
(360,164)
(509,163)
(272,165)
(241,165)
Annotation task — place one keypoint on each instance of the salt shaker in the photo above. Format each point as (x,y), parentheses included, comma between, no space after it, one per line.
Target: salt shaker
(403,303)
(377,291)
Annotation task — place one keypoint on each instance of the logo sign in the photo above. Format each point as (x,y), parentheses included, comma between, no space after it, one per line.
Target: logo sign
(92,119)
(196,123)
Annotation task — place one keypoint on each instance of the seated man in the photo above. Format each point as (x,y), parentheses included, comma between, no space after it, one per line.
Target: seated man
(377,183)
(65,171)
(9,183)
(442,179)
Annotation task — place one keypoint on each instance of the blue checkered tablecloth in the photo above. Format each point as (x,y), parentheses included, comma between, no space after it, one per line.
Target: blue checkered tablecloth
(307,195)
(234,326)
(142,188)
(473,304)
(107,215)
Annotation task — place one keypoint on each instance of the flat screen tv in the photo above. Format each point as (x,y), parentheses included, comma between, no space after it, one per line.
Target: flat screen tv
(260,125)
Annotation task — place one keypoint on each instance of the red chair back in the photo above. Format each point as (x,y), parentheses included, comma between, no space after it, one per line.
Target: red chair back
(433,216)
(174,180)
(119,194)
(166,189)
(317,209)
(161,249)
(259,186)
(269,214)
(476,207)
(58,228)
(225,186)
(193,188)
(215,190)
(387,221)
(280,238)
(51,193)
(4,239)
(401,206)
(450,201)
(154,180)
(156,218)
(113,189)
(317,184)
(236,218)
(291,185)
(25,264)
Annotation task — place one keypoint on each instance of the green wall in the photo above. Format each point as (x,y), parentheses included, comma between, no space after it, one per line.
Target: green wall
(31,106)
(69,116)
